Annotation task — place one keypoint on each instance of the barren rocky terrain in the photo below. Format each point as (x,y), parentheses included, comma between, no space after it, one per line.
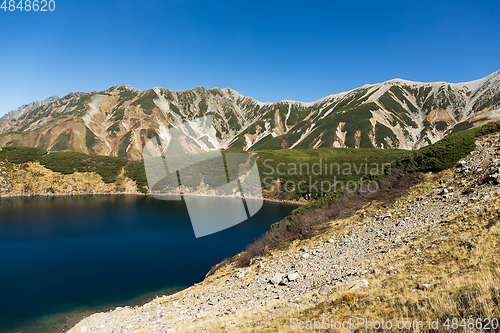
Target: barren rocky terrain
(389,249)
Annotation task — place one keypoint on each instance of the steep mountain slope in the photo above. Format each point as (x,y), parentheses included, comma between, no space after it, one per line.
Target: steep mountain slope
(393,114)
(22,110)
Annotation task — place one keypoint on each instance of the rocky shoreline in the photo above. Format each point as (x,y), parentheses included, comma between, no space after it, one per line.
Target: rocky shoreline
(357,252)
(34,195)
(41,194)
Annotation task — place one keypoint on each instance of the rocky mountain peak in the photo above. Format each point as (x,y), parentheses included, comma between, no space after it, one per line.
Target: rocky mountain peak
(22,110)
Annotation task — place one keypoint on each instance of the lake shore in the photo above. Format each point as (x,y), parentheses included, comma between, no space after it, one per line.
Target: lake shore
(49,194)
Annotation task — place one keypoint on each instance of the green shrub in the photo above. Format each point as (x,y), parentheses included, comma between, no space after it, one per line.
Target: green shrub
(119,114)
(146,101)
(107,167)
(14,142)
(446,152)
(126,142)
(90,140)
(114,128)
(441,125)
(83,101)
(136,172)
(18,155)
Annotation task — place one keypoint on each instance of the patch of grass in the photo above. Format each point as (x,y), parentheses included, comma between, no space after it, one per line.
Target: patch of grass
(14,142)
(441,125)
(122,152)
(203,106)
(126,94)
(119,114)
(465,125)
(146,101)
(15,132)
(83,101)
(113,129)
(89,140)
(383,132)
(63,142)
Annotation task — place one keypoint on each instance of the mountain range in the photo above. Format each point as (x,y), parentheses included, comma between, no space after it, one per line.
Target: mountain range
(118,121)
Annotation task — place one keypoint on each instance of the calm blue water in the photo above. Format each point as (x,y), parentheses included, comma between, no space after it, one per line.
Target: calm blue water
(64,257)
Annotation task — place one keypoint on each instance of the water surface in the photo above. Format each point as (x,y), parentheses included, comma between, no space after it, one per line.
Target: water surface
(63,257)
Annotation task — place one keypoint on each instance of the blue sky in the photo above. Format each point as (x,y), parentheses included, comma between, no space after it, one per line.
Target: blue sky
(299,50)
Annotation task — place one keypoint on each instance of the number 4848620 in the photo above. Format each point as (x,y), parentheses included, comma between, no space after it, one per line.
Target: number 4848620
(28,5)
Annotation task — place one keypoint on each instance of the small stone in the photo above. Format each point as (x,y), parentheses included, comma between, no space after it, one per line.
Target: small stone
(241,274)
(305,256)
(326,289)
(424,286)
(277,278)
(360,284)
(292,276)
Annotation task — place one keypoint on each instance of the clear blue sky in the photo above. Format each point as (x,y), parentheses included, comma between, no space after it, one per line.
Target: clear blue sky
(300,50)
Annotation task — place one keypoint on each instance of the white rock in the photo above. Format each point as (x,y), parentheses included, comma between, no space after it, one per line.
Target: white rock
(241,274)
(204,314)
(360,284)
(324,290)
(424,286)
(277,278)
(293,276)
